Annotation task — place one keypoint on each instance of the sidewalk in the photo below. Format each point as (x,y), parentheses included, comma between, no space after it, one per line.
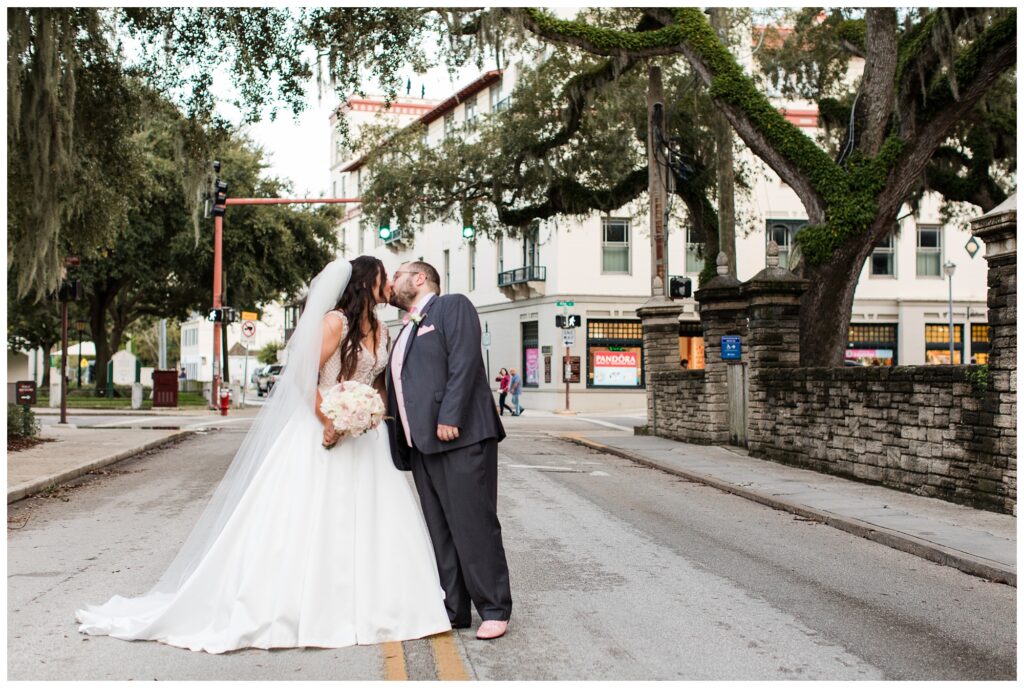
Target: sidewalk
(978,542)
(74,452)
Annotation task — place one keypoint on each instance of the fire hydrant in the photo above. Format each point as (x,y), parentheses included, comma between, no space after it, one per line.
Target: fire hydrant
(225,401)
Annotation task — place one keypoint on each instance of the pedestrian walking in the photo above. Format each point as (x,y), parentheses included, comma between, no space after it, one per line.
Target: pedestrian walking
(503,381)
(515,388)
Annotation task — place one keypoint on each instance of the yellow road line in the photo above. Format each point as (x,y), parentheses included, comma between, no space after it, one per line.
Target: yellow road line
(446,657)
(394,662)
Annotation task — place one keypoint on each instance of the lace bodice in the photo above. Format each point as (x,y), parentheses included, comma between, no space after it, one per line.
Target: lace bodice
(367,368)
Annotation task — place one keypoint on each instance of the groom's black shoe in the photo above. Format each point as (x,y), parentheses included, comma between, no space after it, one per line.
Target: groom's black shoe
(461,624)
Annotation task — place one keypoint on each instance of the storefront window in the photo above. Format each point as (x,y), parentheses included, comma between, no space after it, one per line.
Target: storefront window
(981,344)
(872,345)
(936,344)
(531,355)
(615,354)
(691,346)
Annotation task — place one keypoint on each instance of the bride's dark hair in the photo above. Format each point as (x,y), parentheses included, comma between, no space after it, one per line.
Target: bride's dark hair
(357,301)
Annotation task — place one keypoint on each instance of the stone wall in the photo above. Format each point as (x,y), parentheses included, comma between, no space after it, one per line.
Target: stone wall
(680,409)
(943,431)
(939,431)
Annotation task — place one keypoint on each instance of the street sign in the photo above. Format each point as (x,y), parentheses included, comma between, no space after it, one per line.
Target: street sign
(565,303)
(250,315)
(26,392)
(568,337)
(248,330)
(731,348)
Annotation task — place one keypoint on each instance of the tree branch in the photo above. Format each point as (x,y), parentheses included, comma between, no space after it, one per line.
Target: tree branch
(567,196)
(598,40)
(978,67)
(878,92)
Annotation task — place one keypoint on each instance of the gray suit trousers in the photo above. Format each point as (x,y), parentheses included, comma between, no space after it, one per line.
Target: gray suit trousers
(458,491)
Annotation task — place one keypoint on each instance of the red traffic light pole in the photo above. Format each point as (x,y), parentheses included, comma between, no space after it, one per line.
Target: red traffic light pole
(218,235)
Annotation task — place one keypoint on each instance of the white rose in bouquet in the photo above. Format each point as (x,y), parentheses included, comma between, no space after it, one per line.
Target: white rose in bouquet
(352,407)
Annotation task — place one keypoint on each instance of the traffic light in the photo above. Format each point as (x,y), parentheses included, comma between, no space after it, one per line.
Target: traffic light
(468,232)
(680,287)
(568,321)
(229,316)
(220,197)
(216,315)
(384,231)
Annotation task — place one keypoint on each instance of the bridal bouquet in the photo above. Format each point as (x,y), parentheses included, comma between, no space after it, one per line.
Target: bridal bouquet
(353,407)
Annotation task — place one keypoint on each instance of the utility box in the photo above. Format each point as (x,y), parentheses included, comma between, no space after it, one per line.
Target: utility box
(165,389)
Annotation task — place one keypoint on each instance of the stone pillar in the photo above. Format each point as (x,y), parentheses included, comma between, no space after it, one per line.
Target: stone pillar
(998,230)
(660,322)
(723,311)
(774,342)
(774,311)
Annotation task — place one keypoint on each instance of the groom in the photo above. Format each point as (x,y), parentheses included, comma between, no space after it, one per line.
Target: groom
(445,429)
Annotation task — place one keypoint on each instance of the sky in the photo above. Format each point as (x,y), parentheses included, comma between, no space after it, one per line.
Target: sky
(299,149)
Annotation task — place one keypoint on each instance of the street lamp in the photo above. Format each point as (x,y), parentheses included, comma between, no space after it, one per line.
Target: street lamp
(949,267)
(80,326)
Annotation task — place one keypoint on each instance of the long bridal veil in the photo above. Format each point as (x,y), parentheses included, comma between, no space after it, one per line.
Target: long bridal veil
(294,393)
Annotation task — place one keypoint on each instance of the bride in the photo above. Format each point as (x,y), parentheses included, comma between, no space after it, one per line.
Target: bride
(302,544)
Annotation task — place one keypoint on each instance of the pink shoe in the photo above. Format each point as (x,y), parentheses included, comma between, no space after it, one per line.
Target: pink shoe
(489,630)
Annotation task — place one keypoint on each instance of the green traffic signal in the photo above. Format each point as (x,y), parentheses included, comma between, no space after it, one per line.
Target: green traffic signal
(384,232)
(468,232)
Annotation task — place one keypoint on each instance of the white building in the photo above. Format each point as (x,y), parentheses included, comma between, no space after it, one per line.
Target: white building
(603,266)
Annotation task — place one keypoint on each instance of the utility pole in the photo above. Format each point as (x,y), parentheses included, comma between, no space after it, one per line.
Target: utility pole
(657,174)
(724,165)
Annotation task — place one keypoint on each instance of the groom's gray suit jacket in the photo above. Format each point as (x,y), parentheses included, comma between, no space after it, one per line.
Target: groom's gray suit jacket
(443,382)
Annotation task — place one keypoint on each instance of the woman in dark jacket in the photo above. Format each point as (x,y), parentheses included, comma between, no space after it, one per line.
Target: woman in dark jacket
(503,380)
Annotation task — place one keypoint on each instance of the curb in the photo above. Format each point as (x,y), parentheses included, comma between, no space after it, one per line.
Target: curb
(975,566)
(44,483)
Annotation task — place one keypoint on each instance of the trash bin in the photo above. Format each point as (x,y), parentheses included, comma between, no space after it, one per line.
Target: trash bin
(165,388)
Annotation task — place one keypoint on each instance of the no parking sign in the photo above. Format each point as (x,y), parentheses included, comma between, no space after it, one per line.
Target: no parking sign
(248,331)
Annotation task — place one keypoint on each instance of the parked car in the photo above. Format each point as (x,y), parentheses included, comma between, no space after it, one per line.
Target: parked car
(268,376)
(256,372)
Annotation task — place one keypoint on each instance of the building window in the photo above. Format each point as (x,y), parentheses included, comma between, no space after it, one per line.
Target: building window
(783,233)
(498,103)
(470,111)
(883,258)
(359,181)
(872,345)
(449,124)
(531,355)
(615,354)
(981,344)
(344,178)
(447,272)
(530,245)
(361,228)
(615,246)
(936,344)
(499,248)
(929,251)
(691,346)
(472,266)
(334,188)
(694,251)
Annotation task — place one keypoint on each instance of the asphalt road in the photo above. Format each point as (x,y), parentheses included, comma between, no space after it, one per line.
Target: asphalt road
(618,572)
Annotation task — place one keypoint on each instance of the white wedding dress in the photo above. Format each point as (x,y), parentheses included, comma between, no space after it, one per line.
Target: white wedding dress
(325,548)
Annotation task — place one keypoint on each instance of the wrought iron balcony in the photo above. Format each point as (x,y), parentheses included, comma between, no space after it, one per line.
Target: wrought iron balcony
(529,273)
